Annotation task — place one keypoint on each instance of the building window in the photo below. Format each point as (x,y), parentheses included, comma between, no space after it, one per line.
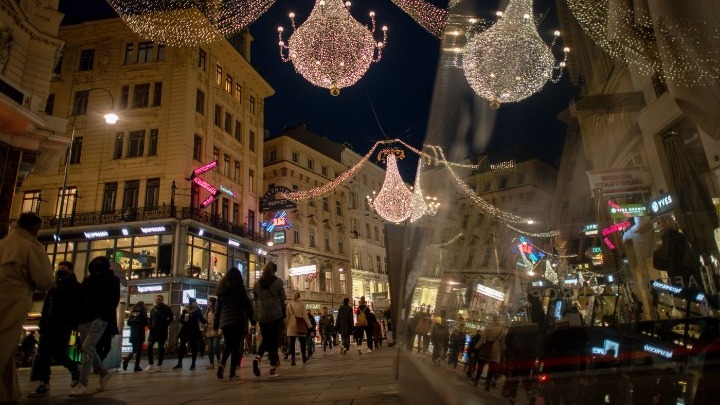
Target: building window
(228,84)
(356,260)
(327,240)
(50,104)
(367,231)
(58,66)
(216,155)
(296,237)
(272,155)
(378,264)
(109,196)
(468,262)
(295,157)
(312,237)
(328,281)
(236,172)
(87,58)
(341,247)
(324,171)
(136,144)
(252,105)
(152,149)
(194,195)
(251,143)
(201,59)
(200,102)
(218,75)
(131,194)
(238,131)
(226,166)
(326,204)
(251,180)
(377,233)
(503,183)
(161,53)
(118,153)
(144,52)
(343,285)
(225,210)
(238,92)
(486,257)
(124,96)
(31,201)
(310,164)
(197,148)
(236,213)
(228,122)
(218,116)
(81,102)
(69,201)
(152,193)
(157,94)
(141,96)
(76,150)
(338,208)
(128,53)
(251,221)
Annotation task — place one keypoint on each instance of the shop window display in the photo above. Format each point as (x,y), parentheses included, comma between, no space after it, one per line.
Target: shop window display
(205,259)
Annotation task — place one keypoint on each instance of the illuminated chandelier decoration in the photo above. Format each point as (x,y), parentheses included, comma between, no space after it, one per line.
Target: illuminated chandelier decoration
(394,201)
(683,51)
(509,62)
(331,49)
(430,17)
(422,205)
(188,22)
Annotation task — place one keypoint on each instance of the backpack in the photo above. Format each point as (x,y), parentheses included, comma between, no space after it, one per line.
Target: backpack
(423,326)
(361,319)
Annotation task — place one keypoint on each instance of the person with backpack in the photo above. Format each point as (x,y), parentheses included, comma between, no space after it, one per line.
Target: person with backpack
(439,335)
(327,325)
(137,322)
(231,315)
(363,326)
(270,314)
(344,325)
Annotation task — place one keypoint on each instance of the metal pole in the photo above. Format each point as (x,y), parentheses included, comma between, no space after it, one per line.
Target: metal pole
(68,159)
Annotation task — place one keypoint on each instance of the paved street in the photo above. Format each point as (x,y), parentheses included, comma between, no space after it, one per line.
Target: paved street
(325,379)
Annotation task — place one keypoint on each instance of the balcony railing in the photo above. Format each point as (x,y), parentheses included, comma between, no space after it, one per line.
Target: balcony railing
(148,214)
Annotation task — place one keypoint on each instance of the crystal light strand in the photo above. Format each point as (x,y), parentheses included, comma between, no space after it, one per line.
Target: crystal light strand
(430,17)
(394,201)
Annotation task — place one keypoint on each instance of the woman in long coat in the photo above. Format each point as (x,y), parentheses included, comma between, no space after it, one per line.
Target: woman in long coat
(296,309)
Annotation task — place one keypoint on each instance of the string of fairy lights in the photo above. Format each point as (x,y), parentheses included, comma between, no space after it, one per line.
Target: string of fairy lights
(430,17)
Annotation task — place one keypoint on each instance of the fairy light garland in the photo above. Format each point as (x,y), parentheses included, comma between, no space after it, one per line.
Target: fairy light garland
(331,49)
(509,62)
(421,205)
(430,17)
(685,52)
(188,22)
(394,201)
(449,242)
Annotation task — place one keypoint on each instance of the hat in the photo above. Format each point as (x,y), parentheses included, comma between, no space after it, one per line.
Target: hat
(191,300)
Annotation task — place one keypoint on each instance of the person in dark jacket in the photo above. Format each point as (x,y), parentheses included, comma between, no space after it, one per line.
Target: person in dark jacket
(161,317)
(327,325)
(56,324)
(101,295)
(190,319)
(366,329)
(270,313)
(310,336)
(439,336)
(137,322)
(344,324)
(232,312)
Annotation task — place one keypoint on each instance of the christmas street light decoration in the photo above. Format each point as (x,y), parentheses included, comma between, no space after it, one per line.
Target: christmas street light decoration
(394,201)
(331,49)
(422,205)
(429,16)
(509,62)
(188,22)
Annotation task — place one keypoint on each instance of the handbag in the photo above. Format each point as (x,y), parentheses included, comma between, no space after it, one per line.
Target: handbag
(300,325)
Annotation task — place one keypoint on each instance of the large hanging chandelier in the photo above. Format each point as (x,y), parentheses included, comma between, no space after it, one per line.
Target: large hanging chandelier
(188,22)
(509,61)
(331,49)
(422,205)
(394,201)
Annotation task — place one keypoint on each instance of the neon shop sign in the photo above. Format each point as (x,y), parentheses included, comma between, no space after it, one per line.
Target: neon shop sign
(214,192)
(279,221)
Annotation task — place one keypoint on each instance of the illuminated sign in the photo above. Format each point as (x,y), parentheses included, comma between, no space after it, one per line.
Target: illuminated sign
(187,294)
(614,228)
(628,210)
(609,347)
(279,221)
(279,237)
(662,204)
(571,281)
(658,351)
(204,168)
(204,184)
(232,242)
(125,232)
(667,287)
(268,202)
(590,230)
(96,234)
(227,191)
(149,288)
(299,271)
(262,252)
(152,229)
(526,248)
(596,249)
(484,290)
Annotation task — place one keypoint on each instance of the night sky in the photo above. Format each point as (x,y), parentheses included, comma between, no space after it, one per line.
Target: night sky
(398,88)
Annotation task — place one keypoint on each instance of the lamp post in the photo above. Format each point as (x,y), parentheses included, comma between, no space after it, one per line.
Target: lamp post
(110,118)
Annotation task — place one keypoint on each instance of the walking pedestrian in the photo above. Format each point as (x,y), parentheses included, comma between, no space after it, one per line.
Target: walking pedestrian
(137,321)
(59,318)
(344,325)
(363,326)
(190,319)
(24,267)
(310,335)
(212,334)
(101,295)
(294,326)
(473,353)
(422,329)
(232,314)
(160,319)
(457,341)
(270,313)
(327,326)
(439,335)
(493,337)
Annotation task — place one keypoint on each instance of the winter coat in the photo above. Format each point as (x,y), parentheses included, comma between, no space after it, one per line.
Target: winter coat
(269,300)
(496,334)
(344,322)
(101,296)
(161,317)
(295,309)
(210,329)
(327,323)
(439,333)
(24,267)
(190,328)
(457,336)
(60,308)
(233,308)
(137,322)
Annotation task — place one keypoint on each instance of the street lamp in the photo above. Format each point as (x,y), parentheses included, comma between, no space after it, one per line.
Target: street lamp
(110,118)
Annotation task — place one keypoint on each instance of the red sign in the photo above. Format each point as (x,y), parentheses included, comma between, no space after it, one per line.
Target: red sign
(204,168)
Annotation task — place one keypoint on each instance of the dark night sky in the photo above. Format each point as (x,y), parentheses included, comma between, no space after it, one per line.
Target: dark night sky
(399,87)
